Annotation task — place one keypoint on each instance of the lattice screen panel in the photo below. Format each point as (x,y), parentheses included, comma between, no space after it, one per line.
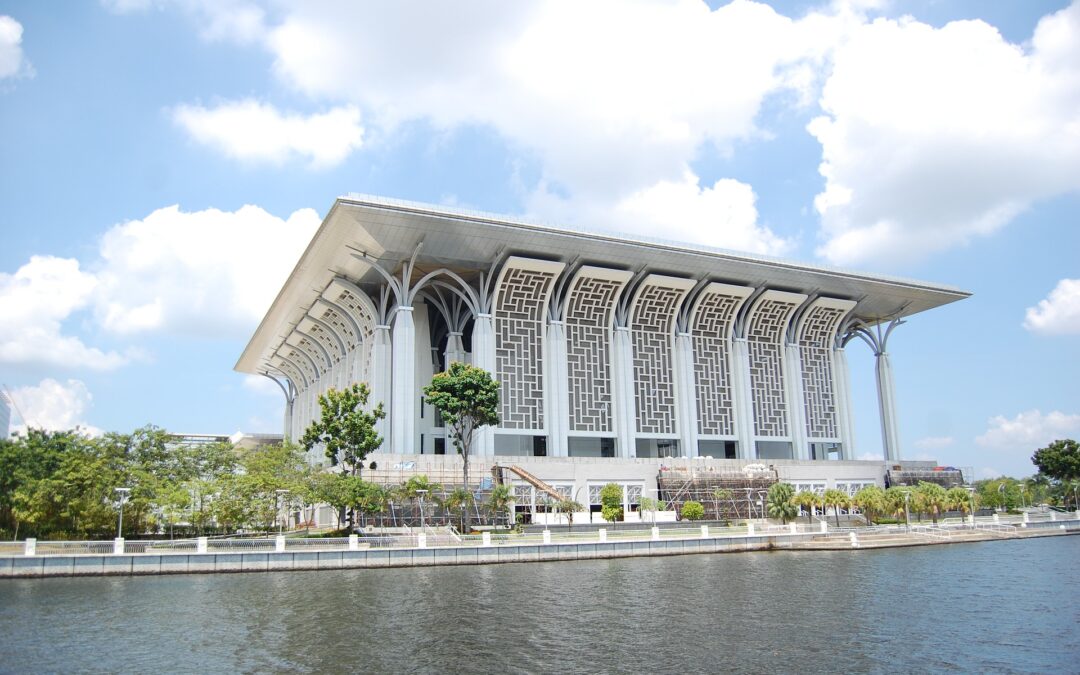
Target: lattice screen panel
(295,356)
(363,317)
(650,330)
(312,350)
(816,336)
(764,342)
(588,340)
(342,325)
(328,341)
(711,330)
(519,314)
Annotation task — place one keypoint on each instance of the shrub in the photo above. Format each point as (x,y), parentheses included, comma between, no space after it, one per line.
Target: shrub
(611,502)
(693,511)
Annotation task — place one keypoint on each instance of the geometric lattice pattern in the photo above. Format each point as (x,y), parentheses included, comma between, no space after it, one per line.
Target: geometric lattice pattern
(365,320)
(311,349)
(588,339)
(815,339)
(342,326)
(328,341)
(764,342)
(711,331)
(300,360)
(519,325)
(650,330)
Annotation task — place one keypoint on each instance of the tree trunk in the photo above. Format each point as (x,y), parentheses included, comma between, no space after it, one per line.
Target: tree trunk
(466,521)
(836,513)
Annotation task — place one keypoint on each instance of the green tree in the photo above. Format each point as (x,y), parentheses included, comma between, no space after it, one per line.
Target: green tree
(692,510)
(611,502)
(721,495)
(417,486)
(779,502)
(807,500)
(837,499)
(460,502)
(500,502)
(896,499)
(569,507)
(1060,460)
(871,501)
(345,429)
(932,498)
(467,398)
(958,499)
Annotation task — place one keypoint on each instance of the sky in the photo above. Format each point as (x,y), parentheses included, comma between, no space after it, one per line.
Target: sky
(163,163)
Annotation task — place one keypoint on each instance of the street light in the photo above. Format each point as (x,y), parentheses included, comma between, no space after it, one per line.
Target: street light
(1001,491)
(907,513)
(971,498)
(421,494)
(281,502)
(124,492)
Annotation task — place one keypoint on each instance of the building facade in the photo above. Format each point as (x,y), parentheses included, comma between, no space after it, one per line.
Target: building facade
(604,346)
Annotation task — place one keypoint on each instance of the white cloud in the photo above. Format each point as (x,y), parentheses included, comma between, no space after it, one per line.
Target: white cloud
(257,132)
(13,62)
(34,304)
(934,137)
(204,273)
(261,385)
(54,406)
(1059,313)
(614,99)
(207,274)
(935,442)
(988,472)
(236,20)
(1028,431)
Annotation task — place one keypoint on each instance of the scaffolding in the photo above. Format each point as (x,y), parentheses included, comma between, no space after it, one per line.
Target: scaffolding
(945,476)
(726,495)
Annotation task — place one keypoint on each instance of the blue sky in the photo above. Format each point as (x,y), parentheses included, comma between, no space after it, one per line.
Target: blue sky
(163,163)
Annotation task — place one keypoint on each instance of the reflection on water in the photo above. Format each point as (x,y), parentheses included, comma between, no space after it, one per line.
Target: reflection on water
(1000,606)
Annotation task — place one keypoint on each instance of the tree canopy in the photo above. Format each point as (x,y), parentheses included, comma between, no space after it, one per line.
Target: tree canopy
(1059,461)
(344,428)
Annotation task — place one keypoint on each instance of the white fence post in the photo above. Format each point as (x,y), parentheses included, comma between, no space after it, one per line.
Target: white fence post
(31,546)
(486,538)
(704,531)
(749,529)
(118,546)
(547,536)
(279,544)
(354,542)
(602,533)
(793,528)
(996,519)
(854,540)
(824,527)
(421,540)
(201,544)
(656,534)
(1053,516)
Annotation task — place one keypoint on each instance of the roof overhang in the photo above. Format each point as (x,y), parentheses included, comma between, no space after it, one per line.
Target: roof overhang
(360,229)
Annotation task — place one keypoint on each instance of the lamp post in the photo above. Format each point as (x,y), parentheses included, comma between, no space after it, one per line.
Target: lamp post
(281,502)
(971,498)
(123,492)
(761,506)
(420,494)
(655,503)
(1001,492)
(907,512)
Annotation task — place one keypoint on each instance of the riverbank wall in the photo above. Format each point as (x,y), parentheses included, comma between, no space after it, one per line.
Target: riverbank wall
(36,566)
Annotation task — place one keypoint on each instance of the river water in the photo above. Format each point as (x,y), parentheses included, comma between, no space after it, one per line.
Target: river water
(1011,606)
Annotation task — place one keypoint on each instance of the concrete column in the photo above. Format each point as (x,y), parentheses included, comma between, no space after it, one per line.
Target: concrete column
(30,546)
(685,395)
(455,350)
(842,387)
(557,417)
(354,542)
(381,362)
(201,544)
(118,546)
(279,544)
(890,433)
(743,400)
(289,420)
(403,406)
(483,345)
(793,386)
(622,370)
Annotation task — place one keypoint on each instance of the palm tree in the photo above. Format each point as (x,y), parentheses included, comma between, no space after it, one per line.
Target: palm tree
(460,501)
(958,499)
(499,501)
(779,502)
(871,501)
(836,499)
(417,486)
(895,501)
(807,500)
(932,497)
